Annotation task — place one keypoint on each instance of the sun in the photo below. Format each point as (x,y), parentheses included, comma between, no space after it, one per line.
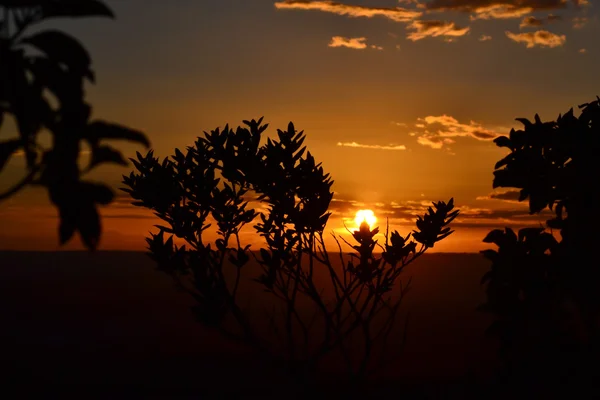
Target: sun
(365,215)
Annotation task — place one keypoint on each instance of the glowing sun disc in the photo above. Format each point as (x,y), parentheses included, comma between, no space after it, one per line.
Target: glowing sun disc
(365,215)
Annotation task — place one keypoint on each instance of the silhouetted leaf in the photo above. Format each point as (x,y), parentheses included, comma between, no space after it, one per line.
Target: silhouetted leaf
(523,194)
(99,130)
(21,3)
(529,233)
(537,202)
(106,154)
(527,123)
(510,235)
(503,141)
(98,193)
(7,149)
(494,236)
(67,225)
(555,223)
(489,254)
(503,162)
(75,8)
(89,225)
(62,48)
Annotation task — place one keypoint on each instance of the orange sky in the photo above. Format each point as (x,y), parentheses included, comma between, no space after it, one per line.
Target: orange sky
(399,100)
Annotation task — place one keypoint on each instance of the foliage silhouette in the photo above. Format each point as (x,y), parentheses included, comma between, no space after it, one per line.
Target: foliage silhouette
(213,181)
(42,90)
(540,287)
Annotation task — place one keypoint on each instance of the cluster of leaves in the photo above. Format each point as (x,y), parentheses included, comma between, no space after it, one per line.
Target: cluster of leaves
(534,275)
(522,288)
(212,183)
(42,78)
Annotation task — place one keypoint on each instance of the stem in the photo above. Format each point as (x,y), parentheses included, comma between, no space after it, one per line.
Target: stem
(367,355)
(291,309)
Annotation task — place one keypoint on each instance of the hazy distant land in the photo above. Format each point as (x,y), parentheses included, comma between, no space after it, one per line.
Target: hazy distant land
(109,319)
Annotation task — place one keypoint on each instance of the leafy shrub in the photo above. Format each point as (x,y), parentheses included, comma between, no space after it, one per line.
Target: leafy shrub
(213,181)
(541,285)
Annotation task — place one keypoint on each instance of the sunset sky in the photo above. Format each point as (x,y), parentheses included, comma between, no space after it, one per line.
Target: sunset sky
(399,99)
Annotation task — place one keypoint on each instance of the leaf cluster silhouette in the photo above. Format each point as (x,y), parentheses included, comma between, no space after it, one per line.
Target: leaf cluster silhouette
(42,78)
(544,281)
(212,182)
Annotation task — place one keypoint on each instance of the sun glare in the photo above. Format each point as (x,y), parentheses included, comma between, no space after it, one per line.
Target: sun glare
(365,215)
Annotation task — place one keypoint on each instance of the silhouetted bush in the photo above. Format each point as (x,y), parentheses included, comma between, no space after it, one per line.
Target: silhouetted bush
(214,180)
(43,90)
(544,288)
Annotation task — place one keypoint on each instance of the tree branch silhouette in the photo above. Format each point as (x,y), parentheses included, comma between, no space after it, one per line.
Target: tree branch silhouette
(43,91)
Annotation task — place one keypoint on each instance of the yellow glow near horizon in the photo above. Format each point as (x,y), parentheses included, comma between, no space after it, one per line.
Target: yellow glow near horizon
(365,215)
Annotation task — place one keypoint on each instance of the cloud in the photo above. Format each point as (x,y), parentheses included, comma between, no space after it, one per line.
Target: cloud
(434,28)
(485,38)
(498,9)
(358,43)
(511,196)
(533,22)
(371,146)
(553,18)
(538,38)
(433,141)
(579,22)
(439,131)
(453,128)
(352,43)
(406,212)
(416,3)
(396,14)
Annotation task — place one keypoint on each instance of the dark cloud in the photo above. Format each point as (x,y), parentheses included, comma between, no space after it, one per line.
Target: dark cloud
(531,21)
(534,22)
(509,195)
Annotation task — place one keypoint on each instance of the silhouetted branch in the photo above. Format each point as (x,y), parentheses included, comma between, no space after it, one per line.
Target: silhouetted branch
(27,180)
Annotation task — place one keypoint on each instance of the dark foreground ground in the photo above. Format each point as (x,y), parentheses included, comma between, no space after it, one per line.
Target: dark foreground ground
(108,325)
